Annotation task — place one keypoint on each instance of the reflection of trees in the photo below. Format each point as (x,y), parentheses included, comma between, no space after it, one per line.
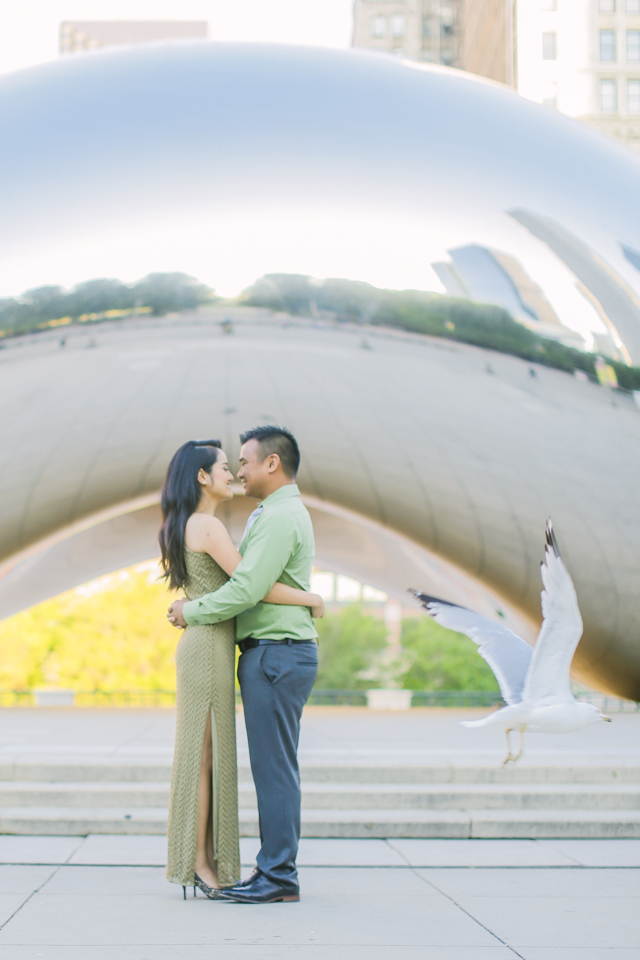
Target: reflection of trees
(159,293)
(480,324)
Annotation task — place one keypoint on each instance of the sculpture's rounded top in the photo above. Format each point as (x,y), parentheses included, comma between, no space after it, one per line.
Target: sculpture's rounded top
(232,160)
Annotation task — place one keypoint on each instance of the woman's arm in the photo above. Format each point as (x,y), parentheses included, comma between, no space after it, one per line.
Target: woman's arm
(291,596)
(207,534)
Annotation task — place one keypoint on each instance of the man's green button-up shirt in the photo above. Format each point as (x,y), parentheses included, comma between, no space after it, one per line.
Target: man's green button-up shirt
(277,547)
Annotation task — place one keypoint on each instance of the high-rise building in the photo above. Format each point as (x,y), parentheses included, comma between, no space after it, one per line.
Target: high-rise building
(425,30)
(581,57)
(78,35)
(488,39)
(585,61)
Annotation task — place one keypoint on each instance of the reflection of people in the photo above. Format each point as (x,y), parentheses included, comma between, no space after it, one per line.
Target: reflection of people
(197,554)
(279,661)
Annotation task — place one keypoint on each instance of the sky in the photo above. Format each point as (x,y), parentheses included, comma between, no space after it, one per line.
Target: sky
(29,28)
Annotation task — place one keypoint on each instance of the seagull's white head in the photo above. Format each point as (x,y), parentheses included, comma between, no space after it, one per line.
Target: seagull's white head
(591,714)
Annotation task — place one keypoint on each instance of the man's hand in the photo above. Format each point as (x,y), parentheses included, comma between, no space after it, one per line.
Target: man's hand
(174,614)
(317,610)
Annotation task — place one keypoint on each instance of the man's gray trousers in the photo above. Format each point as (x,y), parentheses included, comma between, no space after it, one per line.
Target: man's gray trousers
(276,680)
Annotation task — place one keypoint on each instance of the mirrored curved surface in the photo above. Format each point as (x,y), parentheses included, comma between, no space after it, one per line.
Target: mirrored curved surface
(232,161)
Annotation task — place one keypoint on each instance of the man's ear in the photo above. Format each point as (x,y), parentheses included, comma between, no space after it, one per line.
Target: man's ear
(274,462)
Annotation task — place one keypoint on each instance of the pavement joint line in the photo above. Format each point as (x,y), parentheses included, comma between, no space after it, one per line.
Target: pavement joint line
(470,915)
(356,866)
(56,869)
(399,852)
(575,860)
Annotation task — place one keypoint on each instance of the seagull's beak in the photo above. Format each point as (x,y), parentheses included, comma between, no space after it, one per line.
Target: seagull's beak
(608,719)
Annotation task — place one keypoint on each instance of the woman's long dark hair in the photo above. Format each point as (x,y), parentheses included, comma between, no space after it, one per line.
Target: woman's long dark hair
(180,498)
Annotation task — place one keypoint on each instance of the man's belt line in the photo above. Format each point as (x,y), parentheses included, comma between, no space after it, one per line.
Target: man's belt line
(250,642)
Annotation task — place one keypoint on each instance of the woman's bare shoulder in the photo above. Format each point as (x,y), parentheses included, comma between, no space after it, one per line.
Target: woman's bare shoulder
(201,530)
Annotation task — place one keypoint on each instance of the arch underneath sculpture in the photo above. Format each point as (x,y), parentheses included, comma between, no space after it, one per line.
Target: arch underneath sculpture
(346,543)
(411,437)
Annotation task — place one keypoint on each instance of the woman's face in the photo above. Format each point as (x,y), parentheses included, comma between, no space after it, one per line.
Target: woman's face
(221,478)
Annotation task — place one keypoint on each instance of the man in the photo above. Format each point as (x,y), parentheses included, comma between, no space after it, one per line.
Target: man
(279,661)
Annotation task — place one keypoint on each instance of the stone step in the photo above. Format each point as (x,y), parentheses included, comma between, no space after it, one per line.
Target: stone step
(414,797)
(339,796)
(539,824)
(337,771)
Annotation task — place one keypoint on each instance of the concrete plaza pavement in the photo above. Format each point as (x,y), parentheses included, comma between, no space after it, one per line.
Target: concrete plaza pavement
(102,897)
(336,734)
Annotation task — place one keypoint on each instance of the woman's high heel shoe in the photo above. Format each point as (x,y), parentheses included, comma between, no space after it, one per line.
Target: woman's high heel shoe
(212,893)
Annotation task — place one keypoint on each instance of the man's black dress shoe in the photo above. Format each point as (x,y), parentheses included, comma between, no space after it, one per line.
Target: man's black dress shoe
(245,883)
(260,889)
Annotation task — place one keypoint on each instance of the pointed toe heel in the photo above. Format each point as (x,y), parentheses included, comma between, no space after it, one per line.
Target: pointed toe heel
(211,893)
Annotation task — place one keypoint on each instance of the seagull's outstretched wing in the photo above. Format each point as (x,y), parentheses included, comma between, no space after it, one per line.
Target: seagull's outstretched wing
(561,629)
(505,652)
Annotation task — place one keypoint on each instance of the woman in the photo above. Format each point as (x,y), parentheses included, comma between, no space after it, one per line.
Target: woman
(199,556)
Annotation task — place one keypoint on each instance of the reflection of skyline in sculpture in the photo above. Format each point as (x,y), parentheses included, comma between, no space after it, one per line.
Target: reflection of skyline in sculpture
(490,276)
(615,301)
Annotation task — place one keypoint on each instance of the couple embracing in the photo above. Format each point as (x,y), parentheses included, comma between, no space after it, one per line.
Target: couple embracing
(257,598)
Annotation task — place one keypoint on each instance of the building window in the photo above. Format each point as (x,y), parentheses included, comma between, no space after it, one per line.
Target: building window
(633,96)
(378,27)
(549,4)
(633,6)
(608,96)
(398,25)
(633,45)
(447,16)
(607,6)
(548,46)
(607,45)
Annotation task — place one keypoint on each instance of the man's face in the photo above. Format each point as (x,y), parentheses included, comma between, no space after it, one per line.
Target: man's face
(254,469)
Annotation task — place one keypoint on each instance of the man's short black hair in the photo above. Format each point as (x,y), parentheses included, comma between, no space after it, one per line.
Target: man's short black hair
(276,440)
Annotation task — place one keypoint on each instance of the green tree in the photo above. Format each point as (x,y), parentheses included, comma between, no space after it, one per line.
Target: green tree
(111,635)
(441,659)
(349,642)
(170,292)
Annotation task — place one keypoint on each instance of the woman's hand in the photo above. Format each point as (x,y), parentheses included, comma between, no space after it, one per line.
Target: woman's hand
(317,607)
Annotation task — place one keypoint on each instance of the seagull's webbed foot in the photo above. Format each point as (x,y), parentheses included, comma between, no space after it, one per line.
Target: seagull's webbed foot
(520,751)
(511,757)
(508,756)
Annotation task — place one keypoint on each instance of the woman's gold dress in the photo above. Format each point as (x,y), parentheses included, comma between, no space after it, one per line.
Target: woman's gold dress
(205,675)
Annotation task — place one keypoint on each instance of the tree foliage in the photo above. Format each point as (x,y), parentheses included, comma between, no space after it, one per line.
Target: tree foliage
(418,311)
(161,292)
(440,659)
(113,635)
(349,641)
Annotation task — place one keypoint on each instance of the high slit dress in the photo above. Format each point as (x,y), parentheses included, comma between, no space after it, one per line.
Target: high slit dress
(205,684)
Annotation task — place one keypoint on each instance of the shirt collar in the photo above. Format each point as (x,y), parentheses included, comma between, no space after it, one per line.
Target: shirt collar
(282,493)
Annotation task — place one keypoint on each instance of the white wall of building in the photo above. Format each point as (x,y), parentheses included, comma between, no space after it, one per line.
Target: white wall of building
(565,82)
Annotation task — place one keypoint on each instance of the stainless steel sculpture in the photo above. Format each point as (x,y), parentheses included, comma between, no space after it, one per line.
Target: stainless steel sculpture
(259,159)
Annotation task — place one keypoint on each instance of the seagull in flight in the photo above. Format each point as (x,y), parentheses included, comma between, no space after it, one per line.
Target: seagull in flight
(534,680)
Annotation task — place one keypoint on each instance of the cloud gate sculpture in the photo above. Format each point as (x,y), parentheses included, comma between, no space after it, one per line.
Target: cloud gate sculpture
(232,161)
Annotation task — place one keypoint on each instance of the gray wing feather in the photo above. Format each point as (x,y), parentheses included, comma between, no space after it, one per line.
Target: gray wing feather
(505,652)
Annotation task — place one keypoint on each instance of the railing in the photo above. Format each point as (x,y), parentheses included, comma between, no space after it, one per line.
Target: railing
(456,698)
(319,697)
